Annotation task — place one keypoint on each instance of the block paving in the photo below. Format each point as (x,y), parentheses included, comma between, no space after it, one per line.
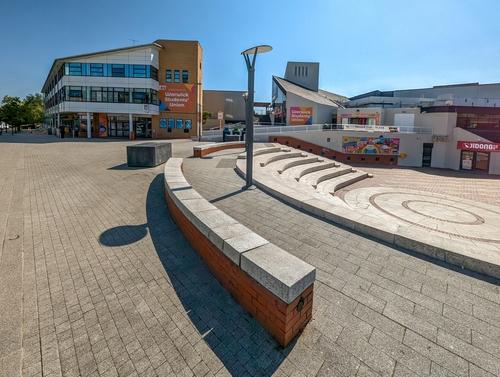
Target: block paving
(97,280)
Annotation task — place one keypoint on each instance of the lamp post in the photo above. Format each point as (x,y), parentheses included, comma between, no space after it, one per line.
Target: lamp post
(250,62)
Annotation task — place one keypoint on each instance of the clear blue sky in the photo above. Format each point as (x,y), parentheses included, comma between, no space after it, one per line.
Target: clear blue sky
(361,45)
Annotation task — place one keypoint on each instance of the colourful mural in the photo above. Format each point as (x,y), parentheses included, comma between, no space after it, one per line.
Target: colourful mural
(370,145)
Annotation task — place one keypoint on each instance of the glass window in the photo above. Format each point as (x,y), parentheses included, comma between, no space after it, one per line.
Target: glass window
(177,75)
(154,97)
(139,96)
(185,76)
(118,70)
(96,69)
(168,75)
(75,93)
(138,70)
(96,94)
(75,69)
(154,73)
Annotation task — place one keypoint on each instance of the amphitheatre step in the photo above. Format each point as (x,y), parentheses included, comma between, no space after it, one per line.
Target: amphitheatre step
(266,150)
(282,166)
(312,179)
(335,184)
(280,156)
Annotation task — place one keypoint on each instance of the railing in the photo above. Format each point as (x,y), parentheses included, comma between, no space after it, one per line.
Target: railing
(260,131)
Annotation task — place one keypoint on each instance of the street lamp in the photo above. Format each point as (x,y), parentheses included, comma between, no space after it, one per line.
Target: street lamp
(250,62)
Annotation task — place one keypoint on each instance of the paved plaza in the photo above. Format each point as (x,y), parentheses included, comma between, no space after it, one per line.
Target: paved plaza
(96,279)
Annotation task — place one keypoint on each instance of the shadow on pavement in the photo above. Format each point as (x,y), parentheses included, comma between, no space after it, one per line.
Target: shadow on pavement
(237,339)
(123,235)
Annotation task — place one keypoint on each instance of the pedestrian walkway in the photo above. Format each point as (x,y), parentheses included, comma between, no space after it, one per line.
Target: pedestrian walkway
(96,280)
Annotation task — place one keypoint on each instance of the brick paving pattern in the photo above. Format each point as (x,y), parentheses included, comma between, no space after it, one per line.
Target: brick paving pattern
(377,310)
(96,280)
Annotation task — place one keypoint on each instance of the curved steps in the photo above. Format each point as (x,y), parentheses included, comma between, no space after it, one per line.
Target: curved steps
(287,164)
(314,168)
(313,179)
(330,186)
(272,157)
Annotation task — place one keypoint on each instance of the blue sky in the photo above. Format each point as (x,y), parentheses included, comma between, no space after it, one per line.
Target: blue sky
(361,45)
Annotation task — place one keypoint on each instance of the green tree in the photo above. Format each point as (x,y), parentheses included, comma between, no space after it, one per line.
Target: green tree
(11,111)
(32,109)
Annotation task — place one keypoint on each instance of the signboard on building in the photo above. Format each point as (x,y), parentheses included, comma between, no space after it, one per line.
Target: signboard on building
(103,125)
(220,115)
(178,98)
(370,145)
(300,115)
(368,118)
(478,146)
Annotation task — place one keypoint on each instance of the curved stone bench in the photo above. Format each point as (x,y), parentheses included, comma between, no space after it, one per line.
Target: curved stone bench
(206,149)
(271,284)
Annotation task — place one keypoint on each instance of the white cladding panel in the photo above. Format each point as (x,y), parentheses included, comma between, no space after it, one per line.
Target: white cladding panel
(147,55)
(103,107)
(115,82)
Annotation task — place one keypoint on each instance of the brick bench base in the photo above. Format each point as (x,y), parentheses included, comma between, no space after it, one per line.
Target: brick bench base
(283,321)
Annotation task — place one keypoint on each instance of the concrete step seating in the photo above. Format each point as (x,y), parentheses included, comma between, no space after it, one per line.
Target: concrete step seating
(277,156)
(282,166)
(261,151)
(330,186)
(312,179)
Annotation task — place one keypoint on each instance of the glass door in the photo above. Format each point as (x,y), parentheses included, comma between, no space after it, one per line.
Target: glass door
(482,161)
(466,159)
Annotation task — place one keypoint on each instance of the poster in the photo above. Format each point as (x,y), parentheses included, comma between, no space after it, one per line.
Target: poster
(300,115)
(171,123)
(187,124)
(370,145)
(178,123)
(163,123)
(103,125)
(177,98)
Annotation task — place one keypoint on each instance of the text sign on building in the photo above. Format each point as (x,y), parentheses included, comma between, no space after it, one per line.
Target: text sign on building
(478,146)
(300,115)
(178,98)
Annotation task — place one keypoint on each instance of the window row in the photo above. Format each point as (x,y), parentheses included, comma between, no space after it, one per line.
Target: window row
(103,70)
(111,70)
(103,94)
(176,75)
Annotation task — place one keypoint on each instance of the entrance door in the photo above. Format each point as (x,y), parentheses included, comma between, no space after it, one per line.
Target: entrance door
(466,160)
(427,155)
(482,161)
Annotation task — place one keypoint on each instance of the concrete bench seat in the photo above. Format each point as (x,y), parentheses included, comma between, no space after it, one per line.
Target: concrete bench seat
(273,285)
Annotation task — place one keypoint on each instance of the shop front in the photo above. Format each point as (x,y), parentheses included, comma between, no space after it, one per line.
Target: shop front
(475,155)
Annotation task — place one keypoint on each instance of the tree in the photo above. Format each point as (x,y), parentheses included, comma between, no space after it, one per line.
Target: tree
(32,109)
(205,116)
(11,112)
(15,112)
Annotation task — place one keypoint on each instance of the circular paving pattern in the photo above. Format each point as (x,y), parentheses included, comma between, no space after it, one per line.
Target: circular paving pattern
(442,215)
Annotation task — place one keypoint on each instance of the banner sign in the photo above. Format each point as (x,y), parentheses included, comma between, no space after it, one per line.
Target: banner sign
(300,115)
(178,98)
(370,145)
(478,146)
(103,125)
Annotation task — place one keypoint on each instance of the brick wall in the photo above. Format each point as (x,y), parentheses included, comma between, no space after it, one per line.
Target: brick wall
(283,321)
(333,154)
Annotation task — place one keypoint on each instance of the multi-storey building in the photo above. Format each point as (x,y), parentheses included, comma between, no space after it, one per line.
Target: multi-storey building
(145,91)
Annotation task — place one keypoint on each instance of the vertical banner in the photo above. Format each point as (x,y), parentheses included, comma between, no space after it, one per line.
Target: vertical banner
(300,115)
(103,125)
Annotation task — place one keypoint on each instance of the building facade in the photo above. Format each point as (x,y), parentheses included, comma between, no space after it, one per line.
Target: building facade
(222,107)
(454,127)
(297,99)
(144,91)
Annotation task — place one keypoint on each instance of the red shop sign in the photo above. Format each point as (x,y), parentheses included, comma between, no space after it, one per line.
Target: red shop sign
(478,146)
